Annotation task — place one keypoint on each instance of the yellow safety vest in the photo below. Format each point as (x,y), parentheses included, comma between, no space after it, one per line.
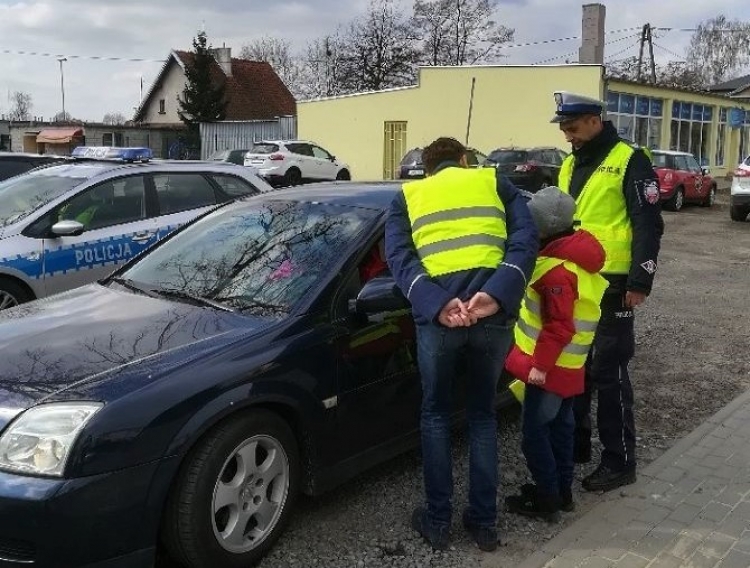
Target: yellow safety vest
(601,208)
(457,220)
(586,313)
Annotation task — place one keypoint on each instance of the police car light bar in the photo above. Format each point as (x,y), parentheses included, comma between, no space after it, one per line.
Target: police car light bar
(113,153)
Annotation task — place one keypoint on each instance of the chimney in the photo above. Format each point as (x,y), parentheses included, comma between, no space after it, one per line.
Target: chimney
(592,36)
(223,56)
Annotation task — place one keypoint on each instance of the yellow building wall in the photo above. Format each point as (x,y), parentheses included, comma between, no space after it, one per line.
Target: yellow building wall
(512,105)
(731,139)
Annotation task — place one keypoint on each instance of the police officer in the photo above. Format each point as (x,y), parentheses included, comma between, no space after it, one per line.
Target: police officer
(617,200)
(461,245)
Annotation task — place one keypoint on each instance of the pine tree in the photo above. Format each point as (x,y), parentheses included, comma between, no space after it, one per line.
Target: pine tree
(202,100)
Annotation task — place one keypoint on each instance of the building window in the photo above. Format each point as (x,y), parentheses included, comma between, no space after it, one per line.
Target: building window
(162,106)
(721,137)
(744,137)
(690,129)
(394,148)
(636,118)
(112,139)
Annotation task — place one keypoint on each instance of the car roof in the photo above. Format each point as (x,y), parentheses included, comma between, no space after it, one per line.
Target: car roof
(369,195)
(30,155)
(671,153)
(284,142)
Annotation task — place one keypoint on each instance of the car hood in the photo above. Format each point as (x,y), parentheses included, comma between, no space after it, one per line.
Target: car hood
(50,346)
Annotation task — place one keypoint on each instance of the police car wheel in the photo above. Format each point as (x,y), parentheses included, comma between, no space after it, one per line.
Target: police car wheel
(12,294)
(234,493)
(677,200)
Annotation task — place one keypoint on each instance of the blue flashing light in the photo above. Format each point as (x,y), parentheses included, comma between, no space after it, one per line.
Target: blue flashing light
(113,153)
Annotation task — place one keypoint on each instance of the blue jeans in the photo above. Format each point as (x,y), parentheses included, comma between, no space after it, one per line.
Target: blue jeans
(485,345)
(547,441)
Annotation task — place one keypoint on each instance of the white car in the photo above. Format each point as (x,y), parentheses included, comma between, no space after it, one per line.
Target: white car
(739,199)
(292,162)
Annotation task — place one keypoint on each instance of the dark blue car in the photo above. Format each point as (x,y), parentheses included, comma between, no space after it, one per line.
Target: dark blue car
(180,405)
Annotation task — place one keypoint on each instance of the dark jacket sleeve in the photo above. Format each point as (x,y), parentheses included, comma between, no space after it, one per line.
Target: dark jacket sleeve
(508,283)
(644,209)
(426,297)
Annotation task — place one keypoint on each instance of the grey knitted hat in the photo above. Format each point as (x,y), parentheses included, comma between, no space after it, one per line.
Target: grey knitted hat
(552,210)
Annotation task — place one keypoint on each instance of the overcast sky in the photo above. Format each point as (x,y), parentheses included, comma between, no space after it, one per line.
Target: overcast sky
(83,30)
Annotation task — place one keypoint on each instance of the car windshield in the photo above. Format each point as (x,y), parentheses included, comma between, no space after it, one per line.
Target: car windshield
(22,195)
(508,156)
(264,148)
(412,157)
(660,160)
(219,155)
(261,259)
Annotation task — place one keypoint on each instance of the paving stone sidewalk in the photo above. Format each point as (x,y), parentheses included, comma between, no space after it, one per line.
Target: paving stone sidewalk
(690,508)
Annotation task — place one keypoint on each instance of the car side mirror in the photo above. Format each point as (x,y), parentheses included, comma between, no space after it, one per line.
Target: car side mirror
(67,228)
(333,158)
(380,294)
(705,170)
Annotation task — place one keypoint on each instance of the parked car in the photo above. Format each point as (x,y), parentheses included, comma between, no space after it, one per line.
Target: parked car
(15,163)
(292,162)
(233,156)
(412,167)
(71,223)
(186,400)
(528,168)
(739,198)
(682,180)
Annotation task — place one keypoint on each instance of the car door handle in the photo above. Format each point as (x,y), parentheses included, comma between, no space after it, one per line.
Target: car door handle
(143,236)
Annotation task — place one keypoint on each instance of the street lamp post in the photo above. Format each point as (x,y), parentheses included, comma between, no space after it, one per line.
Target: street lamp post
(61,60)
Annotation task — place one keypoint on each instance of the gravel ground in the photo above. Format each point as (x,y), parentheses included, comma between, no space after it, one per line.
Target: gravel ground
(692,359)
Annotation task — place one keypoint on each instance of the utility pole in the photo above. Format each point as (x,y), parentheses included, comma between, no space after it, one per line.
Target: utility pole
(640,52)
(646,37)
(650,40)
(62,60)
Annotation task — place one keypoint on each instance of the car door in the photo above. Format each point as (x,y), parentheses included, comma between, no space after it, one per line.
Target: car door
(116,228)
(180,197)
(700,189)
(303,156)
(324,163)
(379,387)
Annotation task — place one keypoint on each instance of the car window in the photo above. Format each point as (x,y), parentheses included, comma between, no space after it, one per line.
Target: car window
(660,160)
(261,259)
(747,161)
(182,191)
(680,163)
(320,153)
(471,158)
(237,157)
(561,156)
(508,156)
(412,157)
(264,148)
(301,149)
(23,195)
(10,168)
(234,186)
(693,164)
(112,202)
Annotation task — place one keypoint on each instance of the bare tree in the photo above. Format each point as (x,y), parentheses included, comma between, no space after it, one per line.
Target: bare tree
(378,50)
(114,118)
(62,116)
(721,48)
(278,53)
(459,32)
(21,106)
(673,74)
(320,69)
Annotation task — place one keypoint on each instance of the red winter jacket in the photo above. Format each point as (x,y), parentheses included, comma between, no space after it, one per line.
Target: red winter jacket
(558,290)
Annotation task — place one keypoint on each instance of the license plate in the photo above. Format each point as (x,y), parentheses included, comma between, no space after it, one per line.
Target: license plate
(416,172)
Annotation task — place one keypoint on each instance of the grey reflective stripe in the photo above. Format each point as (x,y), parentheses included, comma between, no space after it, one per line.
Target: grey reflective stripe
(455,214)
(459,243)
(581,325)
(571,348)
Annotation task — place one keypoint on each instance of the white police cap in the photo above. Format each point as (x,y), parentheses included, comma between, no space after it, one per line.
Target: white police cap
(571,105)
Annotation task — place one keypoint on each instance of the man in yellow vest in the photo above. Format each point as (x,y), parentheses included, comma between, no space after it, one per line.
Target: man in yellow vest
(461,245)
(617,200)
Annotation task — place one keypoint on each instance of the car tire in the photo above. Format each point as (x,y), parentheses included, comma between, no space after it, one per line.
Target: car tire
(224,510)
(292,177)
(677,200)
(12,294)
(343,175)
(737,213)
(710,198)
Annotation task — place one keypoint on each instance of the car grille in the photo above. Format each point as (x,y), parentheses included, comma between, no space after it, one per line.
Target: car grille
(17,550)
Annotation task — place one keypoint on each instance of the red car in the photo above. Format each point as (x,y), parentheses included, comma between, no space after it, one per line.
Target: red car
(682,180)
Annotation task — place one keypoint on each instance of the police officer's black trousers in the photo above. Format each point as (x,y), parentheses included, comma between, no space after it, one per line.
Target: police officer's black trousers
(607,373)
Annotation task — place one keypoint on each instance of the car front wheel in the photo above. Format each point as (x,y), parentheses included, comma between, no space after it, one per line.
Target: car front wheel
(12,294)
(710,198)
(737,213)
(234,493)
(677,200)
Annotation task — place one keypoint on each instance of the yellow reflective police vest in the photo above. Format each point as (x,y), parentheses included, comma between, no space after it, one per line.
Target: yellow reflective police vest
(457,220)
(586,313)
(601,208)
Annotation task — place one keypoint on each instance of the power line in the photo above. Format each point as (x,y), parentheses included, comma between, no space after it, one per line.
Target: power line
(628,48)
(94,57)
(669,51)
(559,39)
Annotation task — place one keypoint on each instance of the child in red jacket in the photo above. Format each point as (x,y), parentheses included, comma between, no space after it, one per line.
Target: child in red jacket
(552,337)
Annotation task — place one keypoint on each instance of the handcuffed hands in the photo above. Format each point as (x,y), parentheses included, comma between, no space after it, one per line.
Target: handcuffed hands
(464,314)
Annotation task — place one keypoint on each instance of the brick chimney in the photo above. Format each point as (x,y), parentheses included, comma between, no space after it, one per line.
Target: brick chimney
(592,36)
(223,56)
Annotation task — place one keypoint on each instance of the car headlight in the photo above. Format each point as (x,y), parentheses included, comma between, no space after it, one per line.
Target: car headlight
(39,441)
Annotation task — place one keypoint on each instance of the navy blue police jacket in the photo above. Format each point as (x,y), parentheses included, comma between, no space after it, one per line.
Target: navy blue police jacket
(506,283)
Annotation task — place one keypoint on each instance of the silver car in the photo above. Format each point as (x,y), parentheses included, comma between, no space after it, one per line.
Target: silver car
(69,224)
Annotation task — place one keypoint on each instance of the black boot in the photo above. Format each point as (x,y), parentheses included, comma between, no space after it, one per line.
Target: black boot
(567,505)
(605,479)
(537,505)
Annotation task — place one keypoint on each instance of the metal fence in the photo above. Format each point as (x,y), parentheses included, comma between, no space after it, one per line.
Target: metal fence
(240,135)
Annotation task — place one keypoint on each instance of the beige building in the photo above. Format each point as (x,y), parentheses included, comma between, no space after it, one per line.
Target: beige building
(492,106)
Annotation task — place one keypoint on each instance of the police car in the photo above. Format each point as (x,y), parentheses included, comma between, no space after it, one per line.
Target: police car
(71,223)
